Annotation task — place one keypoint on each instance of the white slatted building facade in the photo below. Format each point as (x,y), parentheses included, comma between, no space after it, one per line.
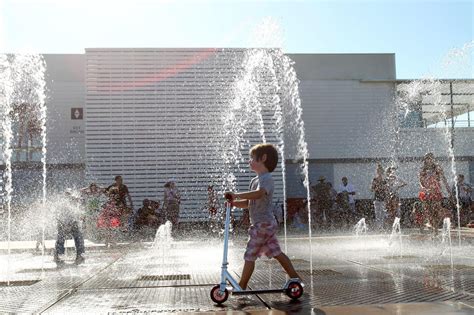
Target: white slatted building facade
(155,114)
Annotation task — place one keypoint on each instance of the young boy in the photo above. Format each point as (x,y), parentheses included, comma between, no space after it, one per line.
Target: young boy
(263,228)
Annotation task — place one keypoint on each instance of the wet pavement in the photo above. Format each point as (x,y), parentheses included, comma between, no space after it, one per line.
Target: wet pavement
(369,274)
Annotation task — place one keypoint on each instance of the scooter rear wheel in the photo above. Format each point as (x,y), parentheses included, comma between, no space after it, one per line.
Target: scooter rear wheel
(217,296)
(294,290)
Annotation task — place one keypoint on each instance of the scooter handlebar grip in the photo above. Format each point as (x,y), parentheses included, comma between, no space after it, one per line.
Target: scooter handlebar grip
(228,196)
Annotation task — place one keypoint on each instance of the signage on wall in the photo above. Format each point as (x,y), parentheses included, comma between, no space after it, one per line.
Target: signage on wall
(77,113)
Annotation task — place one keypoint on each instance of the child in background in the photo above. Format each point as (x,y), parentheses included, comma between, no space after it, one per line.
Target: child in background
(93,197)
(171,201)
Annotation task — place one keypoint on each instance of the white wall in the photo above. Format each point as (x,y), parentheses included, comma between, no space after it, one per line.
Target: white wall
(344,66)
(345,118)
(418,141)
(155,114)
(65,90)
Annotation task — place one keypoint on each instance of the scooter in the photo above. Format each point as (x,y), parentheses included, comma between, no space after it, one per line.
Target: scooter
(220,292)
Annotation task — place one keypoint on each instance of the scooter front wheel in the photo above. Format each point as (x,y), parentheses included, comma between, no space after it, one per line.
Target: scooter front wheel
(218,296)
(294,290)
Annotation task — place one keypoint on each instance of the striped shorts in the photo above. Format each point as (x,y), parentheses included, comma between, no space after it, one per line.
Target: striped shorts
(262,241)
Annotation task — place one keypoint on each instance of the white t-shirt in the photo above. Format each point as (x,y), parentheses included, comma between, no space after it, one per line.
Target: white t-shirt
(261,210)
(349,188)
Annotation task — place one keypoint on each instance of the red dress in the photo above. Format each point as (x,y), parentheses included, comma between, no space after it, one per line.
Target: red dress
(431,182)
(110,216)
(111,212)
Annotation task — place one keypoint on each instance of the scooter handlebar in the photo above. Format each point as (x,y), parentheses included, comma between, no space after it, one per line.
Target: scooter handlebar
(229,197)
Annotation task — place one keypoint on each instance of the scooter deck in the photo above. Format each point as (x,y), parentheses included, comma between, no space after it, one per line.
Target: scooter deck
(250,292)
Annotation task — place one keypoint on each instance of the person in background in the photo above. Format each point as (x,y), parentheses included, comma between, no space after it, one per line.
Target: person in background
(115,213)
(333,216)
(431,194)
(94,198)
(393,198)
(120,194)
(322,200)
(68,218)
(465,199)
(171,202)
(379,188)
(147,220)
(347,188)
(212,206)
(158,211)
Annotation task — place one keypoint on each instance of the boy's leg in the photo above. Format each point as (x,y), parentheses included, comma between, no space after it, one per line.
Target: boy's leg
(249,266)
(285,262)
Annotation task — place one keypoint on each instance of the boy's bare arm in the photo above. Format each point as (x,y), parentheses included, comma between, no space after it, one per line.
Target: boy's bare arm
(242,204)
(251,195)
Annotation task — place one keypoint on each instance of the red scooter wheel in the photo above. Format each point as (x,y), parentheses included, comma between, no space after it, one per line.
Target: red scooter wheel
(294,290)
(218,296)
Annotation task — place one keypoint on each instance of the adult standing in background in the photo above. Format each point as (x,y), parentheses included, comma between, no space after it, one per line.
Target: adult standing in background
(464,191)
(115,213)
(347,188)
(94,197)
(68,222)
(431,194)
(393,197)
(379,188)
(322,198)
(119,192)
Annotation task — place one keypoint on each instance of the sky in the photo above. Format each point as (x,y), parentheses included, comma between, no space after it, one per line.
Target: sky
(429,38)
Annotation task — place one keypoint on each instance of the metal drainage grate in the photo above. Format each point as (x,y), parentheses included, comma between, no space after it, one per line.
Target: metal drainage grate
(320,272)
(398,257)
(448,267)
(34,270)
(164,277)
(18,283)
(299,261)
(160,311)
(293,261)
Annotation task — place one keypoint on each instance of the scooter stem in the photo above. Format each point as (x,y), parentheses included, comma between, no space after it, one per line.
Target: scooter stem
(226,234)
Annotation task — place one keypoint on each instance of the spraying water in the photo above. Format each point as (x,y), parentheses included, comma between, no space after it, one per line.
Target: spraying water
(267,83)
(6,89)
(275,104)
(430,91)
(446,238)
(163,240)
(22,100)
(396,231)
(163,235)
(294,117)
(456,63)
(28,78)
(360,228)
(449,136)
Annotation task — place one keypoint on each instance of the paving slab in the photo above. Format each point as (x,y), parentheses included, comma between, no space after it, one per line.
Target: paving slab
(349,275)
(437,308)
(162,300)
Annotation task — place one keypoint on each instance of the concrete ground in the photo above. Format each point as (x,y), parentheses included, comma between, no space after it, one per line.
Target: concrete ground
(369,274)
